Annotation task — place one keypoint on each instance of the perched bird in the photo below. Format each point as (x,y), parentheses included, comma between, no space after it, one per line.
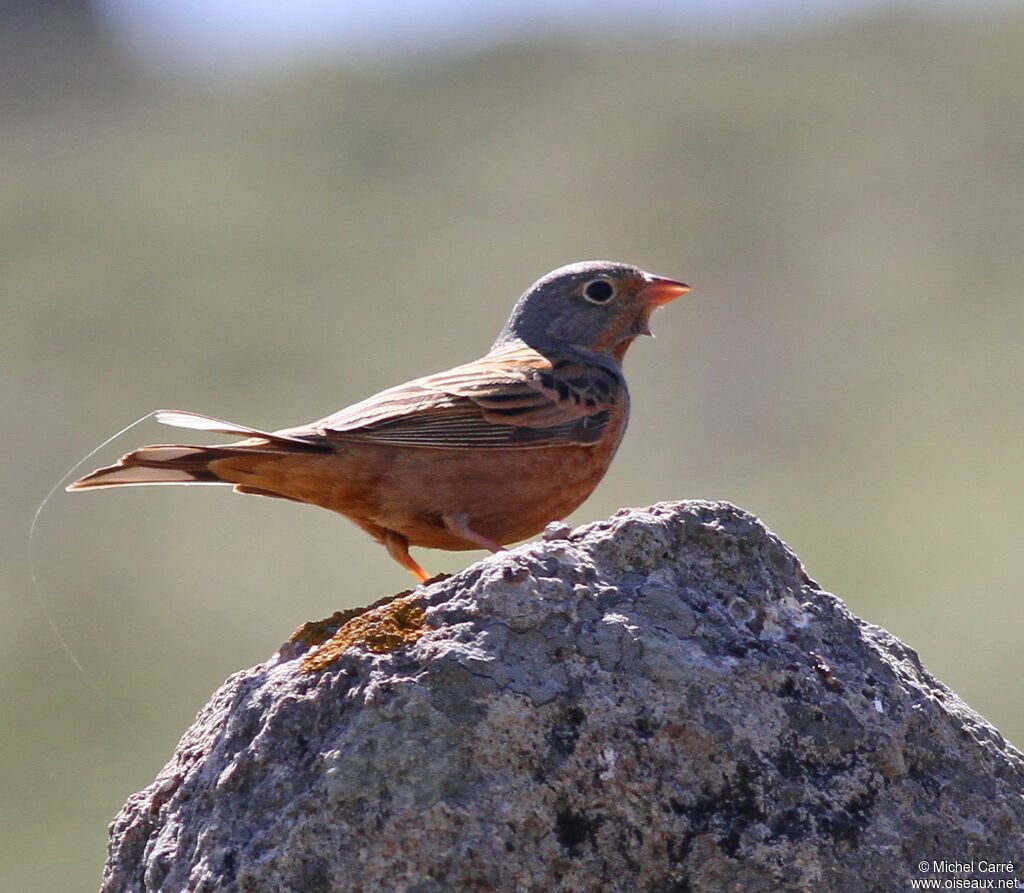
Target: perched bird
(479,456)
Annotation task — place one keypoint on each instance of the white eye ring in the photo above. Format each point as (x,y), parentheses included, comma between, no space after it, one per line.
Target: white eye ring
(599,291)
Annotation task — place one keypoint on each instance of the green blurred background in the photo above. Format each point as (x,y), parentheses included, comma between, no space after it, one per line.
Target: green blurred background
(847,201)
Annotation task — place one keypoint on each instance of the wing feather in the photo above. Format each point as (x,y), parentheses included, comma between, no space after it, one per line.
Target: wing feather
(514,396)
(181,419)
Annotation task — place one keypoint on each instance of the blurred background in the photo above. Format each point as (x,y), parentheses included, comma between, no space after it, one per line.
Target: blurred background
(265,211)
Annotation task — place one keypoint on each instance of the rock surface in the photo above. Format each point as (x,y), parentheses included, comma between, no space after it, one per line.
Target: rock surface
(662,701)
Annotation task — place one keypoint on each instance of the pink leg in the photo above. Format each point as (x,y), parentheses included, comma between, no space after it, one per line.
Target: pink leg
(398,548)
(457,525)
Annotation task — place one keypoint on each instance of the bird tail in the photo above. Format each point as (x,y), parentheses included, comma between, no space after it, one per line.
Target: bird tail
(180,464)
(159,465)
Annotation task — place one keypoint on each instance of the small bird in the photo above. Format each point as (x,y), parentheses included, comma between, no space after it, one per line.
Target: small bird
(477,457)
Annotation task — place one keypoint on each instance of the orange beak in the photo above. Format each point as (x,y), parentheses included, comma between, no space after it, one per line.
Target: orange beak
(660,291)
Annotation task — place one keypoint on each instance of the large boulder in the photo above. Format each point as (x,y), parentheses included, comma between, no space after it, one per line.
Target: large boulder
(660,701)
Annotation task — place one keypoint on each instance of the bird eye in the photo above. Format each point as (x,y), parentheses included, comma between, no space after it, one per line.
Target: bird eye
(599,291)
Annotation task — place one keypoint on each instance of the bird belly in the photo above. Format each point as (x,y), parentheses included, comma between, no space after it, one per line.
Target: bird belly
(503,495)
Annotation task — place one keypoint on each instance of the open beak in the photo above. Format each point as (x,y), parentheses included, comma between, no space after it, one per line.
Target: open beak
(660,291)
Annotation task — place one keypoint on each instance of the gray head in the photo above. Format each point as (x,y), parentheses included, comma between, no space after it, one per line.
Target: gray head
(597,305)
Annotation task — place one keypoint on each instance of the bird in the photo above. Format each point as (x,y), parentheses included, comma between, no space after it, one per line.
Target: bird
(477,457)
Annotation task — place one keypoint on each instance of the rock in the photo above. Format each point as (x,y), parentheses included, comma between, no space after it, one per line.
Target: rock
(663,701)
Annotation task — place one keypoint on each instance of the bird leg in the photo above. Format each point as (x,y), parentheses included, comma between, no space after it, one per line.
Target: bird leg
(457,524)
(398,548)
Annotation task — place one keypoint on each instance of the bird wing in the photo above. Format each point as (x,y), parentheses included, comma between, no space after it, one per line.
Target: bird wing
(514,396)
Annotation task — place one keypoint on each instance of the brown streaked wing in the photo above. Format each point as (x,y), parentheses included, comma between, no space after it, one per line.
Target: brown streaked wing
(514,396)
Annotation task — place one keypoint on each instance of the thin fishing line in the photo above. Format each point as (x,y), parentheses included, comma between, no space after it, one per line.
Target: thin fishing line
(47,613)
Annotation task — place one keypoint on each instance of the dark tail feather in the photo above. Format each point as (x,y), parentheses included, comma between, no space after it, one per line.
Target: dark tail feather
(191,464)
(161,465)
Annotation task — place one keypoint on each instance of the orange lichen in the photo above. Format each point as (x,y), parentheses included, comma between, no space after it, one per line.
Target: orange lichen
(383,626)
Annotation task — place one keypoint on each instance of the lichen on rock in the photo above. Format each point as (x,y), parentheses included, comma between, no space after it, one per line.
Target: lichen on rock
(389,624)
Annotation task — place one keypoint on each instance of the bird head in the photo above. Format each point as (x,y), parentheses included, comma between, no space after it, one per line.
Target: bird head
(598,305)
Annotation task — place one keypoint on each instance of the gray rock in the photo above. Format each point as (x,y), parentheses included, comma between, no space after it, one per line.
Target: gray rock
(660,701)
